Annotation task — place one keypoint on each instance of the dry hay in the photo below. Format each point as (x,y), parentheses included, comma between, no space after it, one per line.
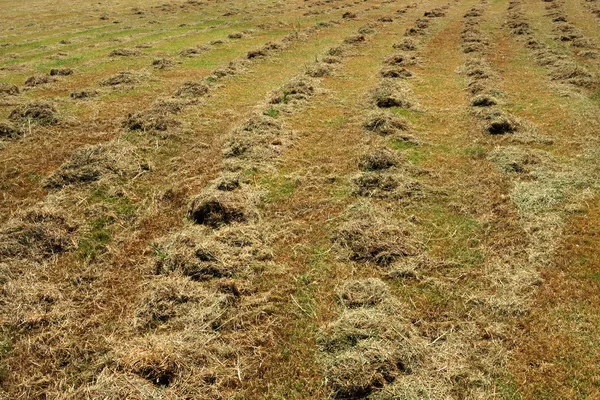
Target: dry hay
(514,159)
(124,53)
(38,112)
(379,159)
(369,237)
(331,60)
(192,90)
(36,234)
(264,51)
(338,51)
(297,90)
(232,68)
(171,105)
(177,302)
(362,293)
(236,35)
(200,254)
(407,44)
(39,79)
(319,70)
(9,131)
(483,100)
(152,119)
(162,63)
(395,72)
(401,59)
(217,208)
(84,94)
(435,13)
(370,345)
(178,347)
(260,138)
(122,78)
(383,123)
(354,39)
(574,74)
(194,51)
(9,89)
(95,162)
(498,122)
(390,184)
(391,93)
(61,72)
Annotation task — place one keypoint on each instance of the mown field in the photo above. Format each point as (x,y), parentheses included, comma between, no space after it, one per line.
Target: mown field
(301,199)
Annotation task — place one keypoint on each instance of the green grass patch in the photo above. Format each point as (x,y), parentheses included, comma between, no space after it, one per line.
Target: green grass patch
(476,152)
(94,242)
(279,188)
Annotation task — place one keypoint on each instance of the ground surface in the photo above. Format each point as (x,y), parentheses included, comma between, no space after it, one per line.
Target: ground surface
(300,199)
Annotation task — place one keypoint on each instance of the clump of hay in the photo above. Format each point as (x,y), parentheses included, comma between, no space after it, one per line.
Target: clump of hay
(435,13)
(407,44)
(39,79)
(84,94)
(483,100)
(91,163)
(513,159)
(61,72)
(162,63)
(37,234)
(236,35)
(319,70)
(232,68)
(354,39)
(349,15)
(177,301)
(370,345)
(9,131)
(124,53)
(331,60)
(9,89)
(383,123)
(498,122)
(122,78)
(362,293)
(39,112)
(152,119)
(259,139)
(264,51)
(194,51)
(389,184)
(391,94)
(401,59)
(200,255)
(216,208)
(573,74)
(395,72)
(297,90)
(371,238)
(377,160)
(192,90)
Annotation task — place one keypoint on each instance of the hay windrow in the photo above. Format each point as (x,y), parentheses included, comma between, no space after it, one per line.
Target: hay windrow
(384,124)
(38,112)
(37,234)
(92,163)
(370,237)
(216,208)
(201,255)
(371,344)
(392,93)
